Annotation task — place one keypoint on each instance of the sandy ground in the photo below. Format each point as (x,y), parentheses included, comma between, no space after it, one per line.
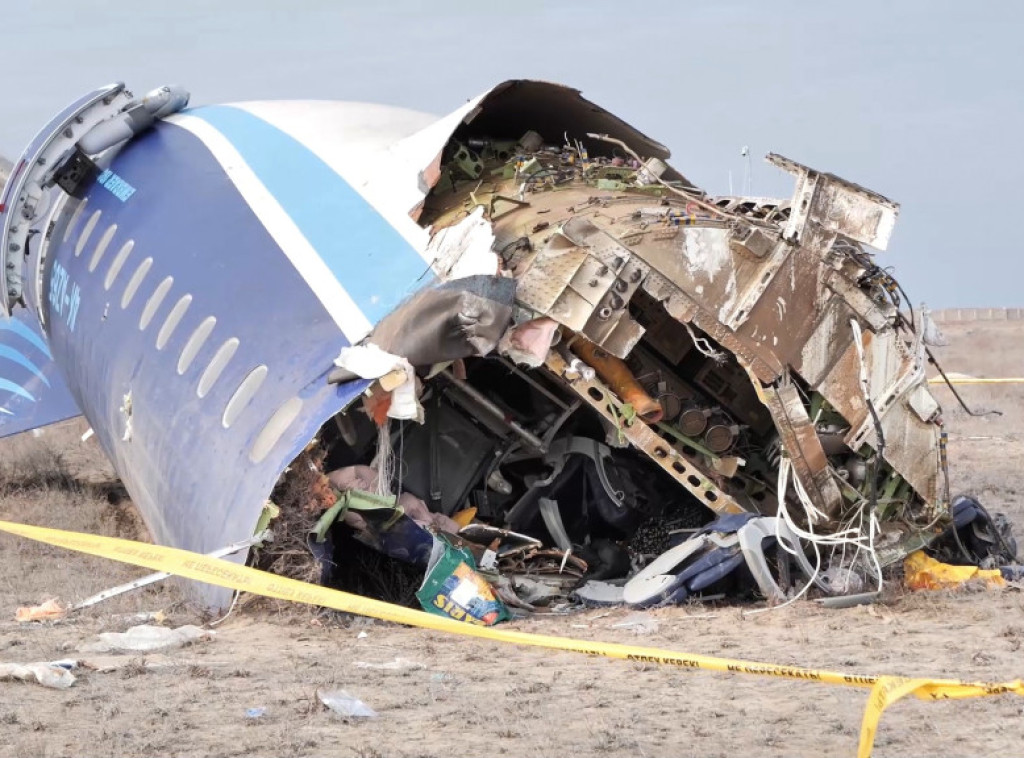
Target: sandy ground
(467,697)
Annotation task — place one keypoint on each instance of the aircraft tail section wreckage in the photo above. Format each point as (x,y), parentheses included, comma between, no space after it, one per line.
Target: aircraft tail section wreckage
(515,333)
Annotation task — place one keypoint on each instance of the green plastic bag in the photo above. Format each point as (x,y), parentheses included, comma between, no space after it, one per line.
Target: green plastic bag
(452,587)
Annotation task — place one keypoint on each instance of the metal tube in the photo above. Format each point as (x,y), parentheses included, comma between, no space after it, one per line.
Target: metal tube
(477,397)
(159,576)
(534,383)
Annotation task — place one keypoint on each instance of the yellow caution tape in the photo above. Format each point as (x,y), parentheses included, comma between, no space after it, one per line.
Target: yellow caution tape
(885,690)
(977,380)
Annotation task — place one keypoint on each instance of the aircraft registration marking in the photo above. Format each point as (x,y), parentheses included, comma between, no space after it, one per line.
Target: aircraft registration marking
(65,296)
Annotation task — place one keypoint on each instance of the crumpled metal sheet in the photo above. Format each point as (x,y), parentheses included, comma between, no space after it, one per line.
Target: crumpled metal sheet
(584,278)
(457,319)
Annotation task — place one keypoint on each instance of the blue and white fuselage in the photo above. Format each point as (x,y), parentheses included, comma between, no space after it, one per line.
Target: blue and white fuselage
(199,291)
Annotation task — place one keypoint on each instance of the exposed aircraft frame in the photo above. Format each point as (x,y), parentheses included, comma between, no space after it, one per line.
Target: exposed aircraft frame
(729,340)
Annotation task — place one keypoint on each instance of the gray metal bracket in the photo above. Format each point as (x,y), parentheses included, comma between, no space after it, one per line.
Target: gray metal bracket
(24,198)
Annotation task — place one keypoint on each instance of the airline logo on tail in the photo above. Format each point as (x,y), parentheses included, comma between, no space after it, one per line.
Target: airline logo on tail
(19,351)
(32,391)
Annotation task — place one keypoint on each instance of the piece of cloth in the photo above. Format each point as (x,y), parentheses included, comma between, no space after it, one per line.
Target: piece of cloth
(365,478)
(529,343)
(48,611)
(922,572)
(370,362)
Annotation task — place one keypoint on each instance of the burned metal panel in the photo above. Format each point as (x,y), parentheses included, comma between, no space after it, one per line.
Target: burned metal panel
(837,205)
(781,321)
(890,366)
(912,449)
(896,388)
(800,439)
(827,343)
(583,278)
(841,388)
(701,259)
(754,289)
(682,308)
(684,469)
(875,314)
(764,293)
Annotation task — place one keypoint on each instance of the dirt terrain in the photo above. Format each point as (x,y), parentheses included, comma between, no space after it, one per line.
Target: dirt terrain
(454,696)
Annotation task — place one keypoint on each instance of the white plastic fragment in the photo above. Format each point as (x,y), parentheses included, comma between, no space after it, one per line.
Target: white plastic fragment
(596,592)
(399,664)
(55,674)
(105,664)
(157,617)
(371,362)
(145,638)
(345,705)
(464,249)
(639,623)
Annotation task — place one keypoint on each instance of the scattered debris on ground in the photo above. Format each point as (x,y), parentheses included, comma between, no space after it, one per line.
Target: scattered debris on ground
(345,705)
(272,655)
(56,674)
(398,664)
(146,638)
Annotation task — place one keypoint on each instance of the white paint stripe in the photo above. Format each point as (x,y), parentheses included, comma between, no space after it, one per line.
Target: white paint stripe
(346,314)
(353,140)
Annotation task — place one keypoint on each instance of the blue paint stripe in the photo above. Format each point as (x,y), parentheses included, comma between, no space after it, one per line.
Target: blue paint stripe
(13,355)
(371,260)
(13,325)
(15,389)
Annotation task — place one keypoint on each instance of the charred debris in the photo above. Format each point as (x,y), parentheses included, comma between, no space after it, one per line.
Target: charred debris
(622,389)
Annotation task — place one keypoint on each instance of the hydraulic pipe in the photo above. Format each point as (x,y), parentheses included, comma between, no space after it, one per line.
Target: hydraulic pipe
(616,374)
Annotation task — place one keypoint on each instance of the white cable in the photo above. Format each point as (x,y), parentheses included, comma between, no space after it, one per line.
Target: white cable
(845,537)
(704,349)
(234,601)
(858,343)
(384,462)
(873,524)
(784,464)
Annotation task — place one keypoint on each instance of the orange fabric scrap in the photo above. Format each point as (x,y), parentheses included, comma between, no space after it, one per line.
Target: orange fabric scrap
(377,403)
(48,611)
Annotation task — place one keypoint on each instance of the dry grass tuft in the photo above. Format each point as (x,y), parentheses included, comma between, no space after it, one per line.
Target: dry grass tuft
(301,500)
(55,480)
(35,463)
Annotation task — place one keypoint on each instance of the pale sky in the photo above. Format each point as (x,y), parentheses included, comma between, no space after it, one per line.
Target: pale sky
(921,101)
